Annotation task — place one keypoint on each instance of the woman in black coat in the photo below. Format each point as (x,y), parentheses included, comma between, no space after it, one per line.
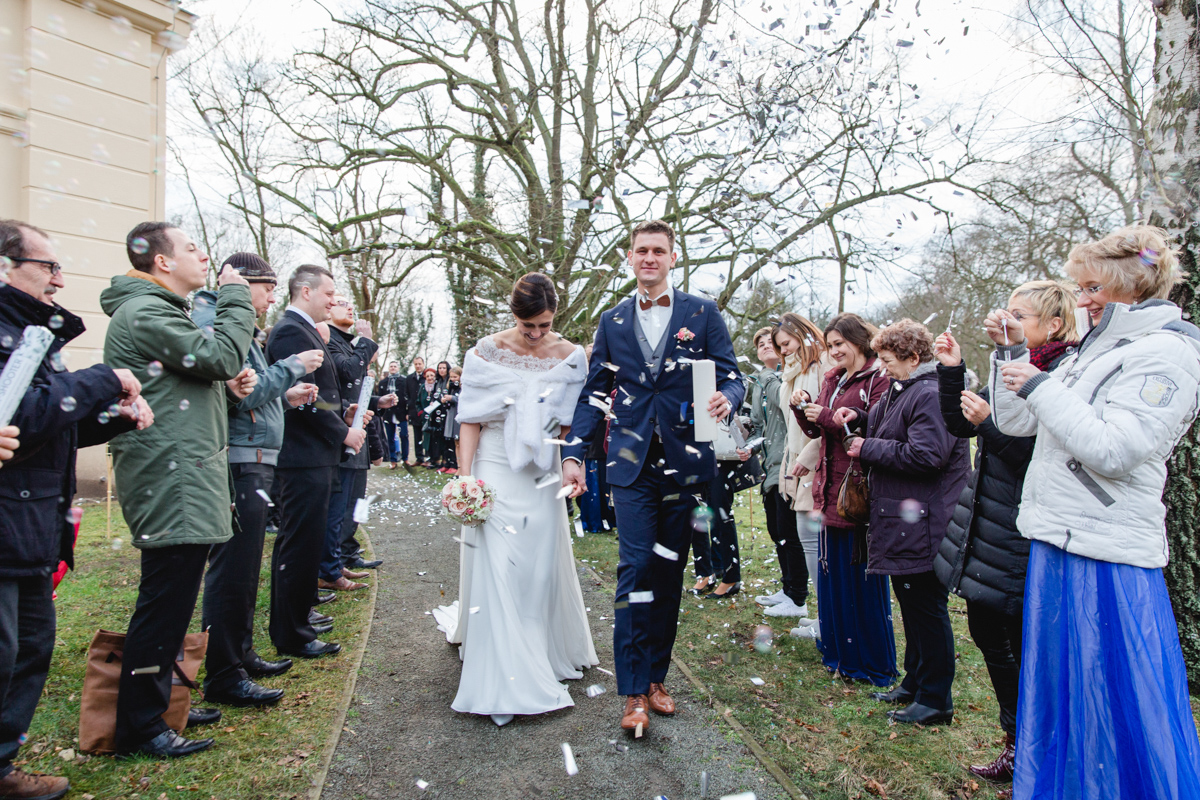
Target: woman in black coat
(916,472)
(983,556)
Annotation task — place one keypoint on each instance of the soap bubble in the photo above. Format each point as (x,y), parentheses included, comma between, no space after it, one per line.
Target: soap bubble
(910,510)
(154,369)
(139,246)
(121,26)
(813,521)
(702,518)
(68,404)
(189,361)
(183,405)
(763,635)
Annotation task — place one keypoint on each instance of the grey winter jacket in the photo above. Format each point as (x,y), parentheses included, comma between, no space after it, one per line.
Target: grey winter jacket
(256,422)
(768,420)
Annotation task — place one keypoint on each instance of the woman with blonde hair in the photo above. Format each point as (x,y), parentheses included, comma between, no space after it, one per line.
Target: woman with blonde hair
(1103,708)
(982,557)
(800,346)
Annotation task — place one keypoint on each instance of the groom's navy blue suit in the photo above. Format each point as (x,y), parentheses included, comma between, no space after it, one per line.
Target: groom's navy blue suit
(658,478)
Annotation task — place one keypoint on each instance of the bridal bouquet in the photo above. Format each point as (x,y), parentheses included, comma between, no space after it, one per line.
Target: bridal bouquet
(468,500)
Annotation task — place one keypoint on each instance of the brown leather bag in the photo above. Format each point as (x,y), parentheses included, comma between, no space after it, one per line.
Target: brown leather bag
(98,707)
(854,502)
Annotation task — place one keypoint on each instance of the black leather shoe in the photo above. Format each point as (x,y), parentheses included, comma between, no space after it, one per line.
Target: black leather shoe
(259,667)
(917,714)
(322,599)
(317,618)
(359,563)
(244,693)
(899,696)
(315,649)
(321,629)
(170,744)
(203,716)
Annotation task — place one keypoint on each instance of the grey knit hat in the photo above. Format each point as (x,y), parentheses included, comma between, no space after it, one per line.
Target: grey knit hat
(252,267)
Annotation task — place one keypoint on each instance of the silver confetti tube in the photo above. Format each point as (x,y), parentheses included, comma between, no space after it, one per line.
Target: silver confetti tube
(364,399)
(20,369)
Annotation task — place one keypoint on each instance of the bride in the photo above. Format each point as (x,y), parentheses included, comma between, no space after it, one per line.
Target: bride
(519,617)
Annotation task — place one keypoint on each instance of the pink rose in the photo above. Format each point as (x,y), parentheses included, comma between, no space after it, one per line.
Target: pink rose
(458,507)
(474,491)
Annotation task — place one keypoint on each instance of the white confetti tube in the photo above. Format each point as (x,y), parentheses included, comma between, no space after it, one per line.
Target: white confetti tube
(20,369)
(364,399)
(704,386)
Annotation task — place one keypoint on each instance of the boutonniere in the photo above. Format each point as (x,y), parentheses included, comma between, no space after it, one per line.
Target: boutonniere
(685,335)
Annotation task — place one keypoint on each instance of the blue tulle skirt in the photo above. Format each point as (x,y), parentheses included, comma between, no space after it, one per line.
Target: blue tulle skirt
(1103,709)
(855,611)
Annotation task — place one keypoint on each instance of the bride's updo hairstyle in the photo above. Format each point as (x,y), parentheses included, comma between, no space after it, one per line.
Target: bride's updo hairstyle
(533,294)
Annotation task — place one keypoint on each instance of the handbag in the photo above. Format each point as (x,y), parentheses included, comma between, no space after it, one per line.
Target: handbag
(854,501)
(101,681)
(744,474)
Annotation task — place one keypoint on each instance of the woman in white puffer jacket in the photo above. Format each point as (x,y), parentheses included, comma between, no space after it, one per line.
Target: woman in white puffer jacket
(1103,708)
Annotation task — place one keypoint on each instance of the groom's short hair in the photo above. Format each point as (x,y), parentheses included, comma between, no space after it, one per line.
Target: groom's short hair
(652,226)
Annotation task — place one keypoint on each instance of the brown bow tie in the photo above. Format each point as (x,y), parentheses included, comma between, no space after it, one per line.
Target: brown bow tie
(663,300)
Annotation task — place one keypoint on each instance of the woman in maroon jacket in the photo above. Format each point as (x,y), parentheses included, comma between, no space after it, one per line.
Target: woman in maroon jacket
(854,607)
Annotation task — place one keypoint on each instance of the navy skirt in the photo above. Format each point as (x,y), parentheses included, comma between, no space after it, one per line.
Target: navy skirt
(1103,706)
(855,610)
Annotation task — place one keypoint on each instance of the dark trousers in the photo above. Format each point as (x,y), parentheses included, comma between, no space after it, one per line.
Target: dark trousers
(166,599)
(231,583)
(654,509)
(26,643)
(715,545)
(341,499)
(781,525)
(998,637)
(928,639)
(418,441)
(435,443)
(349,545)
(304,496)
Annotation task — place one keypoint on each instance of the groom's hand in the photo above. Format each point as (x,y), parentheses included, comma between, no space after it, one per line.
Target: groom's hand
(718,406)
(573,477)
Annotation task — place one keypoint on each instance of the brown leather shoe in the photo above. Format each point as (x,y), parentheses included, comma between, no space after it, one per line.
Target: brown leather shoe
(660,701)
(352,575)
(340,585)
(635,712)
(19,785)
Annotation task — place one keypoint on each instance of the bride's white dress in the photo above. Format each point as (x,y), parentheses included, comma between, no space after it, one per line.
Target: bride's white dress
(520,617)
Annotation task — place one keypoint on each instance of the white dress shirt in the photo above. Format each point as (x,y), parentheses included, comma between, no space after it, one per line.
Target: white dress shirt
(656,319)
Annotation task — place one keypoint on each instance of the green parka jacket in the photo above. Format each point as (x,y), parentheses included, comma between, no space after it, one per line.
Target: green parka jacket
(172,479)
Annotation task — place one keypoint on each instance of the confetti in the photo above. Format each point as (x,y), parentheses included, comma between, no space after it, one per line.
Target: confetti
(546,480)
(266,498)
(569,759)
(606,672)
(758,681)
(422,785)
(669,555)
(147,670)
(563,492)
(595,690)
(641,597)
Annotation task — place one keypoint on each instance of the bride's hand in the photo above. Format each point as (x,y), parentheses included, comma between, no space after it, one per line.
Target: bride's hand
(573,477)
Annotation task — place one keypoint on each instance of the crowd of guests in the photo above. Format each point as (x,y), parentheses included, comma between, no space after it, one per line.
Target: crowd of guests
(857,439)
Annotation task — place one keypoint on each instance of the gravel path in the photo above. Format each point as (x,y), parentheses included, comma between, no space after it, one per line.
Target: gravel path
(400,728)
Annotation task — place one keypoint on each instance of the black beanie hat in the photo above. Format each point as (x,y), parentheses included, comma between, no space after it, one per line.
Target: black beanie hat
(252,267)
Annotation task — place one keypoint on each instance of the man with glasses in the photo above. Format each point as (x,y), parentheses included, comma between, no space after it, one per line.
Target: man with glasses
(59,412)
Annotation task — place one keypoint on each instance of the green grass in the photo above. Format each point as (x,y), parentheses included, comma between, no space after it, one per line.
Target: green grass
(826,734)
(259,753)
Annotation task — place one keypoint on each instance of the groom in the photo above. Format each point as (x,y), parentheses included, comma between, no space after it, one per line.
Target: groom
(659,473)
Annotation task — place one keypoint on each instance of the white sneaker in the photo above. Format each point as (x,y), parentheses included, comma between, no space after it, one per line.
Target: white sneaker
(771,599)
(804,631)
(811,622)
(787,609)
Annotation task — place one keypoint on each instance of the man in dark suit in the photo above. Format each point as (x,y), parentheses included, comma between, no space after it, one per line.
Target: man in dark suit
(395,419)
(657,469)
(314,440)
(412,387)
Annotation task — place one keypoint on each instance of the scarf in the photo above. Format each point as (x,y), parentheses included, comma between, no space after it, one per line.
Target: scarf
(1045,355)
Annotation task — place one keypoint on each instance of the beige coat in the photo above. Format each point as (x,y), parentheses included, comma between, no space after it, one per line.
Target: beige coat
(799,447)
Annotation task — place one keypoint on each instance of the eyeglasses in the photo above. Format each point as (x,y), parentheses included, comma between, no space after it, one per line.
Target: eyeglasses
(342,303)
(54,267)
(1091,291)
(1021,316)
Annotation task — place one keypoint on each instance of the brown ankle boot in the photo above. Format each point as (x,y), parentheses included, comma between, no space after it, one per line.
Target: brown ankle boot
(19,785)
(1000,770)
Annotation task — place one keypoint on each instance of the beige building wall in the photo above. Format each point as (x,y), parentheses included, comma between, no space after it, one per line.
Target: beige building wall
(83,141)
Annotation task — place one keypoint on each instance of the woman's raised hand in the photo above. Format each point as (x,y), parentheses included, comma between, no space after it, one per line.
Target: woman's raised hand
(1003,328)
(947,350)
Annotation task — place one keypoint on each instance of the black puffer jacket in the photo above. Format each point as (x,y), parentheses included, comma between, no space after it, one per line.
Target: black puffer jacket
(983,556)
(58,414)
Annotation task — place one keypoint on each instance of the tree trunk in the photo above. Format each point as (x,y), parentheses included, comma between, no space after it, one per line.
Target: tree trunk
(1175,122)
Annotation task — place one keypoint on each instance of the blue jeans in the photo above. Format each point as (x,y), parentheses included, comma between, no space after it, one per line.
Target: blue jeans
(394,429)
(331,558)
